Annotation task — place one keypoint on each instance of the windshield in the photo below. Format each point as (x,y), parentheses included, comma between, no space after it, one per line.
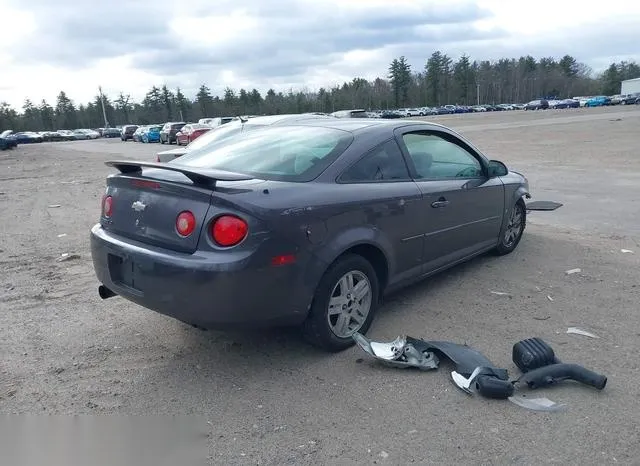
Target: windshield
(285,153)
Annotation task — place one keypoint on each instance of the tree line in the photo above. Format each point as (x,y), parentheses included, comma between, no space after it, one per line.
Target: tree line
(443,80)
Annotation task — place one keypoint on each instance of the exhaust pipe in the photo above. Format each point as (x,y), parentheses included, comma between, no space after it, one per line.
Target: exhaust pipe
(105,292)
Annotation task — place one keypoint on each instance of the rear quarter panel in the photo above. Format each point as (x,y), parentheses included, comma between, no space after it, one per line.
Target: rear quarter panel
(322,220)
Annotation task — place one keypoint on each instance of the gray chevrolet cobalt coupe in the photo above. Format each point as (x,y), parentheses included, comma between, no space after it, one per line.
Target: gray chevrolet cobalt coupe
(308,223)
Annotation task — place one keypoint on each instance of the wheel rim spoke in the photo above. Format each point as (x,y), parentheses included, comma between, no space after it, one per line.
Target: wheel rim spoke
(358,316)
(342,325)
(360,290)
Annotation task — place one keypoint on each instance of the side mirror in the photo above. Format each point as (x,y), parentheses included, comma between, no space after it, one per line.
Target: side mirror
(497,168)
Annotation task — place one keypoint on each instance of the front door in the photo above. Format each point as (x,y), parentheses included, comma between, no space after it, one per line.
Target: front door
(462,206)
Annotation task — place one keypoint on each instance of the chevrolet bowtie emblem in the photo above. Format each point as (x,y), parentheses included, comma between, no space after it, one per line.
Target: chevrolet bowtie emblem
(138,206)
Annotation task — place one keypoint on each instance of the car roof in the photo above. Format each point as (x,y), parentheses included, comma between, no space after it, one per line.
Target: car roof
(285,118)
(366,124)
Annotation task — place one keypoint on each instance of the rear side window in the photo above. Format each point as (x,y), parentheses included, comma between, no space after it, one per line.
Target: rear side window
(283,153)
(214,136)
(384,163)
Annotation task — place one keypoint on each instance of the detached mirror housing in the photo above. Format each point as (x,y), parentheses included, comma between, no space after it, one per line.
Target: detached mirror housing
(497,168)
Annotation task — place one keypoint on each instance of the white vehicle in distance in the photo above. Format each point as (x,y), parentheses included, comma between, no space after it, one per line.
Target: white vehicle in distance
(215,122)
(411,112)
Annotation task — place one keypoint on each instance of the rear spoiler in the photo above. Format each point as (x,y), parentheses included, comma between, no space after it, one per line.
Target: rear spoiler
(199,176)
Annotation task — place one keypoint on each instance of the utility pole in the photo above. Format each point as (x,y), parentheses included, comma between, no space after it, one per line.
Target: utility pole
(477,93)
(104,112)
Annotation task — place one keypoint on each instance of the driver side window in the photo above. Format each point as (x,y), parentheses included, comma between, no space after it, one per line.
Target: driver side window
(434,157)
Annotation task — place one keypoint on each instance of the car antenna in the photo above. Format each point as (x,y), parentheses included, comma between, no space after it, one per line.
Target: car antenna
(242,119)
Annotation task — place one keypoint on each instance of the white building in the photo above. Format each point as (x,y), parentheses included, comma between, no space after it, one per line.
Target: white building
(630,86)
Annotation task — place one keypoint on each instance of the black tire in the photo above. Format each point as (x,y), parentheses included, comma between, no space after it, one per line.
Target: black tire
(316,329)
(506,243)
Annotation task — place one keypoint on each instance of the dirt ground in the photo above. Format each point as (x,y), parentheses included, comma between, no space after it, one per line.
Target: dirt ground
(271,399)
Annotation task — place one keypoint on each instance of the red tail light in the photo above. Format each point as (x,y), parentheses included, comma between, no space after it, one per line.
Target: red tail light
(107,206)
(185,223)
(229,230)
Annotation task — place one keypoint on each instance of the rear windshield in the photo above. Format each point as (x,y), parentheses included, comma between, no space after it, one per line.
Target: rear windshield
(217,134)
(284,153)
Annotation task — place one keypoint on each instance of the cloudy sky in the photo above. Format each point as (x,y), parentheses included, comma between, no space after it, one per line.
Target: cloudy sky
(129,45)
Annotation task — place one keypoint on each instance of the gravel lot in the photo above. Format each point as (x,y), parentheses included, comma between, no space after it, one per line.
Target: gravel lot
(271,399)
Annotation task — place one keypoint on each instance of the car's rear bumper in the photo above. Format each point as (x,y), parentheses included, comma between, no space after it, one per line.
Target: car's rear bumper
(205,289)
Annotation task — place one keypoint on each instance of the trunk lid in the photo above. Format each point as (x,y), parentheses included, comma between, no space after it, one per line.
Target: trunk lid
(145,205)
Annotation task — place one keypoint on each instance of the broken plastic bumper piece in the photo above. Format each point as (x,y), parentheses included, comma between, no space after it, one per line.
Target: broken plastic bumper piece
(398,353)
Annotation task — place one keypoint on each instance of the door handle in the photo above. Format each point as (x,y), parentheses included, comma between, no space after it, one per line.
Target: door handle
(442,202)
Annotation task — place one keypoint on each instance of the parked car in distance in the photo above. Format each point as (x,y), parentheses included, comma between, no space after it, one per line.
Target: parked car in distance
(28,137)
(151,134)
(568,103)
(356,113)
(137,134)
(538,104)
(67,135)
(8,140)
(90,133)
(427,111)
(127,132)
(629,99)
(80,134)
(411,112)
(169,131)
(308,223)
(215,122)
(234,128)
(443,110)
(391,115)
(598,101)
(190,132)
(111,133)
(50,136)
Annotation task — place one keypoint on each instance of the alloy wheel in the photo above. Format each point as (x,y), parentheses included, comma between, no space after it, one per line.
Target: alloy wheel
(514,228)
(349,304)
